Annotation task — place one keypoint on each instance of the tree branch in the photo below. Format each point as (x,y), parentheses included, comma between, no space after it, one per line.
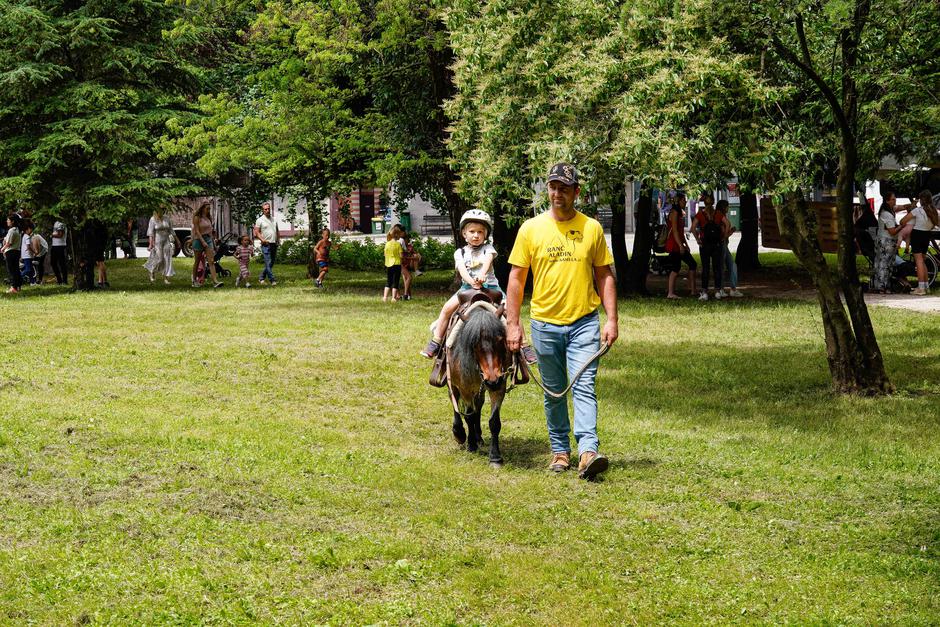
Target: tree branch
(806,66)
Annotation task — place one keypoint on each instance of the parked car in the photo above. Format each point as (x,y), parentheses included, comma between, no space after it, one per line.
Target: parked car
(183,233)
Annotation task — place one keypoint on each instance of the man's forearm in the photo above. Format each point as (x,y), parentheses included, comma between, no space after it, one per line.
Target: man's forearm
(609,296)
(514,293)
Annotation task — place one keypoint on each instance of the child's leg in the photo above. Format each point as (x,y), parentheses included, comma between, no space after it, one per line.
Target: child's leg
(446,312)
(904,235)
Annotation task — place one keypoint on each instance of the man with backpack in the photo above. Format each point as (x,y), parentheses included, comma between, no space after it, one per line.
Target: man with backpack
(710,232)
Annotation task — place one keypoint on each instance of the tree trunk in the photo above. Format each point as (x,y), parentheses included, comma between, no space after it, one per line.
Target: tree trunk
(618,239)
(504,236)
(642,243)
(746,256)
(851,369)
(82,244)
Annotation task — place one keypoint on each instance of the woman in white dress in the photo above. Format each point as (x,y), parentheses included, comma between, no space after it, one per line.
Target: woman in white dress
(162,242)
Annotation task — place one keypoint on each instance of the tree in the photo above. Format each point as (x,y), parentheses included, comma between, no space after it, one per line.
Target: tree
(608,86)
(87,89)
(343,94)
(845,64)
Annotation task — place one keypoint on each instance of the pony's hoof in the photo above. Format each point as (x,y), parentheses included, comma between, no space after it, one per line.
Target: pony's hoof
(460,438)
(494,463)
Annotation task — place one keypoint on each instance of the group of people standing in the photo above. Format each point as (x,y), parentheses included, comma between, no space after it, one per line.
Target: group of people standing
(916,228)
(712,231)
(401,262)
(24,246)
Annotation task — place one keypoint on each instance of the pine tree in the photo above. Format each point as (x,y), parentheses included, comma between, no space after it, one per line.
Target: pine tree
(86,88)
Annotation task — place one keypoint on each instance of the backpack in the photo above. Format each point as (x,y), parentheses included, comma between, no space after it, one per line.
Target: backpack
(711,233)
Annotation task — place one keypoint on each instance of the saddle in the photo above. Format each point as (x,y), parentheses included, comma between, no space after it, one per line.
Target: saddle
(468,301)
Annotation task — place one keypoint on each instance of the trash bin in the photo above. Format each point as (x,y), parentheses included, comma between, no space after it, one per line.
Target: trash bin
(734,216)
(406,220)
(378,226)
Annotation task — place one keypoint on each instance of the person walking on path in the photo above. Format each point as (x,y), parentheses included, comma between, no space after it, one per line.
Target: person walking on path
(12,244)
(266,231)
(678,248)
(58,250)
(710,234)
(322,255)
(203,244)
(161,242)
(568,256)
(925,220)
(392,264)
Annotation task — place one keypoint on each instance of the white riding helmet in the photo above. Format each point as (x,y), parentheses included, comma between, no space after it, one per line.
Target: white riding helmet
(476,215)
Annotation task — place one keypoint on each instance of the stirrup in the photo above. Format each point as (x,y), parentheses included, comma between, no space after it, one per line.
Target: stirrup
(438,376)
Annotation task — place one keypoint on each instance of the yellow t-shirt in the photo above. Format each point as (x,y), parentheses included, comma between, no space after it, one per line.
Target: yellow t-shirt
(562,256)
(392,253)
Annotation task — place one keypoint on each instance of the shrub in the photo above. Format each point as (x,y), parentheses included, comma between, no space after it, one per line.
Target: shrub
(295,250)
(365,254)
(435,255)
(357,254)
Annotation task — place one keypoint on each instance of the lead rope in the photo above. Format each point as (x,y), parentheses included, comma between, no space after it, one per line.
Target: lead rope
(600,353)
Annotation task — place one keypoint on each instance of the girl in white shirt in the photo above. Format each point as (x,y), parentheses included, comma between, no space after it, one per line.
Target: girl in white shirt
(925,220)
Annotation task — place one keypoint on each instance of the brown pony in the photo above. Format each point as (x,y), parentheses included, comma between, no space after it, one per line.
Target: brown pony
(478,362)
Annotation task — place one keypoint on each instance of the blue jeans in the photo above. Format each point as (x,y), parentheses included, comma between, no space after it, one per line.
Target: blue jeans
(29,274)
(731,270)
(562,350)
(269,252)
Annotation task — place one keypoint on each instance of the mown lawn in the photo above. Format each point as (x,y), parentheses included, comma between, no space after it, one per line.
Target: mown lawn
(169,455)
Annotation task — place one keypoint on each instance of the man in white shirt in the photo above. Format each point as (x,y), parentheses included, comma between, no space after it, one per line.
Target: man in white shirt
(58,251)
(266,231)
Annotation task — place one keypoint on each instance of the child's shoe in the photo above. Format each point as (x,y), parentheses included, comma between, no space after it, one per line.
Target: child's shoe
(247,284)
(528,353)
(318,283)
(432,349)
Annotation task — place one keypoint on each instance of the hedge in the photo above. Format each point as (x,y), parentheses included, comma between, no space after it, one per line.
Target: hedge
(365,254)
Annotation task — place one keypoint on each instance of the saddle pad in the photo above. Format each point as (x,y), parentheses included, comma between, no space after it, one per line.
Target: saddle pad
(456,326)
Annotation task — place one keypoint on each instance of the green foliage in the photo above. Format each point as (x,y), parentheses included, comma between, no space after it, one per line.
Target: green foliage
(87,89)
(435,255)
(343,94)
(296,250)
(357,254)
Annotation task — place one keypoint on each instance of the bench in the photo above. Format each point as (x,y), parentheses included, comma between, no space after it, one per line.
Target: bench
(434,224)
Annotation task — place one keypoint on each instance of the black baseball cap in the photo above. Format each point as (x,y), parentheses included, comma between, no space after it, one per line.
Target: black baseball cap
(564,173)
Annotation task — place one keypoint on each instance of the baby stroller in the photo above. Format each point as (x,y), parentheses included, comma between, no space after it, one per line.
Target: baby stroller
(224,247)
(659,260)
(900,273)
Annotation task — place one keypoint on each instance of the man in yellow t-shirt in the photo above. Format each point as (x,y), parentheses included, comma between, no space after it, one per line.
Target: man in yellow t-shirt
(568,256)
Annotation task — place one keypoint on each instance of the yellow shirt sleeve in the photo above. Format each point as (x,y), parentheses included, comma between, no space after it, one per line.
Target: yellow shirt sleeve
(521,254)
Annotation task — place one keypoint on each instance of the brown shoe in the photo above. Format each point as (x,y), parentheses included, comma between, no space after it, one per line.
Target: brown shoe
(591,464)
(560,462)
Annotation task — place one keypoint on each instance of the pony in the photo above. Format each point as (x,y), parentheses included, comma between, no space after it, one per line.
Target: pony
(478,362)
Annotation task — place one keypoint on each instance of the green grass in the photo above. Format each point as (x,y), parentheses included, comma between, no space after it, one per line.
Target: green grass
(170,455)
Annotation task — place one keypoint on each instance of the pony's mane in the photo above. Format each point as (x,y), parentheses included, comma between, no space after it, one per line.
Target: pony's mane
(482,327)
